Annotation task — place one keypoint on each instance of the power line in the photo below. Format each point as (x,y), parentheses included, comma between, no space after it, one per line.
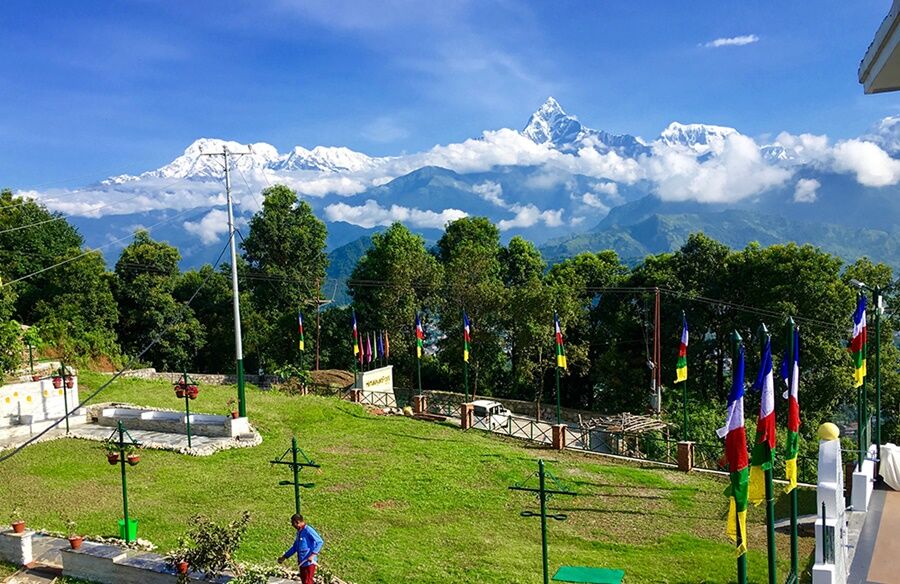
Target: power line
(90,251)
(128,366)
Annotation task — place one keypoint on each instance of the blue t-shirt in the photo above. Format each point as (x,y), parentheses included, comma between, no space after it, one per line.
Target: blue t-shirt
(307,542)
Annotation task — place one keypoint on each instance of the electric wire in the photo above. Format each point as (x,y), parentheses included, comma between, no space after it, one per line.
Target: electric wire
(92,250)
(129,365)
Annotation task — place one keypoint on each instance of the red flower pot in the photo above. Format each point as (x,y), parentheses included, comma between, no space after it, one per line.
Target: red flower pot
(133,459)
(75,541)
(35,377)
(112,457)
(234,415)
(18,526)
(57,382)
(179,393)
(70,383)
(182,567)
(193,391)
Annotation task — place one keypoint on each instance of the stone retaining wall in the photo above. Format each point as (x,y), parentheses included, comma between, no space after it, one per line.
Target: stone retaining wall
(201,378)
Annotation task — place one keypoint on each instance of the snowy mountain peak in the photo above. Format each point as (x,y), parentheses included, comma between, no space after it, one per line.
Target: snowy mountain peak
(551,125)
(701,138)
(886,133)
(328,158)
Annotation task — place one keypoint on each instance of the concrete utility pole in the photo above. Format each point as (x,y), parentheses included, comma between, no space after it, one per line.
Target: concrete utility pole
(238,343)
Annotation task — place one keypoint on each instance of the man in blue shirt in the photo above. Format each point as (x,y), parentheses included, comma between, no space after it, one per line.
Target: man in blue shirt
(306,545)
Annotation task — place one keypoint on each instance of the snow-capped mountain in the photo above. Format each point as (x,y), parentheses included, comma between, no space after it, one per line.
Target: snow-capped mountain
(699,138)
(551,126)
(197,164)
(325,158)
(555,178)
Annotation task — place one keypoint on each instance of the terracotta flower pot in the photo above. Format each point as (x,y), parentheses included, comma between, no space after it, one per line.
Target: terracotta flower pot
(57,382)
(133,459)
(234,415)
(70,383)
(18,526)
(35,377)
(75,541)
(112,457)
(193,391)
(179,393)
(182,567)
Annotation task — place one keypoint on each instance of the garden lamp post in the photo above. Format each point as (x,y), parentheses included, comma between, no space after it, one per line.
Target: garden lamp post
(296,464)
(543,494)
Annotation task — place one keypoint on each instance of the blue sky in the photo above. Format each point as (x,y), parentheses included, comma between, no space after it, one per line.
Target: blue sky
(92,89)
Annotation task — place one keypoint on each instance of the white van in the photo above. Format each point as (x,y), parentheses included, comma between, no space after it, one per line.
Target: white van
(487,414)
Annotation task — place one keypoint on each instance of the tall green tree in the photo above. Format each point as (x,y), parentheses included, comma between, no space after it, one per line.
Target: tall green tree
(286,262)
(146,276)
(469,252)
(394,280)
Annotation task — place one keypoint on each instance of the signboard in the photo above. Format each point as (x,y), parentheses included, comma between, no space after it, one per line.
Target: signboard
(378,380)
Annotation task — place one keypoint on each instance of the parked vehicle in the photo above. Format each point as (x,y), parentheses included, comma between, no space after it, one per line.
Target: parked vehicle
(488,414)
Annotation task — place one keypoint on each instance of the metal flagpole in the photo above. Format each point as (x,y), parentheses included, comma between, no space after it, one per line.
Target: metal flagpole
(795,554)
(238,343)
(741,559)
(770,492)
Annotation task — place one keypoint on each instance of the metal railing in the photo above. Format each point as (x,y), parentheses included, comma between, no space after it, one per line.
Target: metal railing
(444,405)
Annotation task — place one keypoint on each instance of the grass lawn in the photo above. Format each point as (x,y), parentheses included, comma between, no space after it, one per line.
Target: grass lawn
(397,500)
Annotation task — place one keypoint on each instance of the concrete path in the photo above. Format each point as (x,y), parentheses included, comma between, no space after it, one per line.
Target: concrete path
(877,558)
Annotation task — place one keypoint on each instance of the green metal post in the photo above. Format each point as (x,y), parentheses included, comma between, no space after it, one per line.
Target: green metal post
(419,370)
(30,359)
(877,294)
(124,482)
(296,475)
(187,408)
(62,372)
(466,378)
(543,496)
(795,553)
(742,559)
(242,396)
(558,412)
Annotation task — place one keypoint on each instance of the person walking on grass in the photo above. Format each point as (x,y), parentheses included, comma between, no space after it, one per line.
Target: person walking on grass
(307,544)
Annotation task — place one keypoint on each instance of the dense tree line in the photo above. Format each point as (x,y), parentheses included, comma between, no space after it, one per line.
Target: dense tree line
(85,312)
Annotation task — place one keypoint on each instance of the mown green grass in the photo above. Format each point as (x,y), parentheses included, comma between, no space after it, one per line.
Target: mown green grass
(397,500)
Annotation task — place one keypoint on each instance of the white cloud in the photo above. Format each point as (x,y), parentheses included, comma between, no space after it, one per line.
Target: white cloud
(211,227)
(594,201)
(737,41)
(737,173)
(805,148)
(491,192)
(805,191)
(327,185)
(872,165)
(372,214)
(529,215)
(609,188)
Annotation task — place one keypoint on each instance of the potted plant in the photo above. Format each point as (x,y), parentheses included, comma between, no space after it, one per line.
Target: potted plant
(112,452)
(193,391)
(35,377)
(17,523)
(131,457)
(179,558)
(232,407)
(179,390)
(70,382)
(57,381)
(75,540)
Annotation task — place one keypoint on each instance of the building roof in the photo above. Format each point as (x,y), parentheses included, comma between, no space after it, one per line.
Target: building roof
(879,70)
